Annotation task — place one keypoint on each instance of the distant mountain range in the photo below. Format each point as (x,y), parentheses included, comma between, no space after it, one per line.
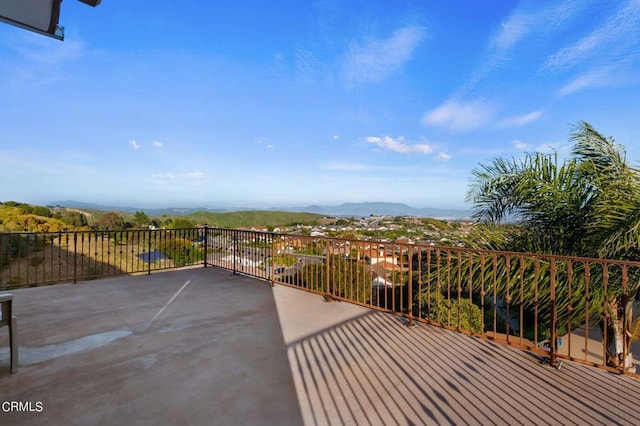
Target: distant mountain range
(178,211)
(383,209)
(346,210)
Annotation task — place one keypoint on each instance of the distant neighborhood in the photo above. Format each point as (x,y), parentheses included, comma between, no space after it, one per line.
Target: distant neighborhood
(23,217)
(398,229)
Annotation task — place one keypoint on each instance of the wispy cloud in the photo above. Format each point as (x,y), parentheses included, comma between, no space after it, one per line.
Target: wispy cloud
(376,59)
(541,21)
(134,144)
(41,61)
(602,77)
(617,37)
(443,156)
(263,140)
(512,31)
(157,144)
(307,65)
(526,22)
(399,145)
(519,145)
(520,120)
(195,175)
(460,116)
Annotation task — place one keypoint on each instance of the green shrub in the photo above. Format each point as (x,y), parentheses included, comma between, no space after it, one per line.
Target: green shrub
(346,279)
(182,251)
(455,313)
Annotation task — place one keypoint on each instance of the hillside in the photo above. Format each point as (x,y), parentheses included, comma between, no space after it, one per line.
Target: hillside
(345,210)
(250,218)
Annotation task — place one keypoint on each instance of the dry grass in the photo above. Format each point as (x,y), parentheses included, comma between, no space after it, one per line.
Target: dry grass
(55,261)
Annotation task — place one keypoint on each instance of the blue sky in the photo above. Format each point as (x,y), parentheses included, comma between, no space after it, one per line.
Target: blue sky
(290,103)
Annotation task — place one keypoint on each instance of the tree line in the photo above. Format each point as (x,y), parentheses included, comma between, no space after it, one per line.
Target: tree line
(22,217)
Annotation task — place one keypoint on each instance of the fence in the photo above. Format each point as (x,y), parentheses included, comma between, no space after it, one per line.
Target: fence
(29,259)
(558,307)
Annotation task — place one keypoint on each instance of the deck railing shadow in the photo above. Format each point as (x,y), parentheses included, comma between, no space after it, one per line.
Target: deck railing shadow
(372,369)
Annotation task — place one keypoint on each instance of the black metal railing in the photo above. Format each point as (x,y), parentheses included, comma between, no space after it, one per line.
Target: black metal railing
(558,307)
(32,259)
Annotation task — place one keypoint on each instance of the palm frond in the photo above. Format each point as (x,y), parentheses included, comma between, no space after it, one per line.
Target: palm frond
(593,149)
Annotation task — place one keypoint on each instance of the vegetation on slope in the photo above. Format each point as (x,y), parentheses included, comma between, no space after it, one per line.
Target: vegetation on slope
(22,217)
(251,218)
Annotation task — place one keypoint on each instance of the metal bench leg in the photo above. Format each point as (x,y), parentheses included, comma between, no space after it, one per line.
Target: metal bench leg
(13,342)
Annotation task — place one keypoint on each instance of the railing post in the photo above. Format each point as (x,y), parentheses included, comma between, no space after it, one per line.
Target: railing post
(273,252)
(625,321)
(149,251)
(75,257)
(553,344)
(206,244)
(410,323)
(235,250)
(327,281)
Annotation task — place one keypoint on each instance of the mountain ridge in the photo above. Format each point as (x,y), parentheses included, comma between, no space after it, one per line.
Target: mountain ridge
(368,208)
(347,209)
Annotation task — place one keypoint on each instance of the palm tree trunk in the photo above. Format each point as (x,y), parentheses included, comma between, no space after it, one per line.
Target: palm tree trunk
(618,320)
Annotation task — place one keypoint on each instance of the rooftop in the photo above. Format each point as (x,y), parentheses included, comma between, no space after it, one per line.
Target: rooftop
(204,346)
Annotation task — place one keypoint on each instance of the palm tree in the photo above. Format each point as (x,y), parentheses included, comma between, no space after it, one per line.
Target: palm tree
(587,205)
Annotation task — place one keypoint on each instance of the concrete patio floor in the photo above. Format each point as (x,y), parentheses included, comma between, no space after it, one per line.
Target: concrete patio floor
(203,346)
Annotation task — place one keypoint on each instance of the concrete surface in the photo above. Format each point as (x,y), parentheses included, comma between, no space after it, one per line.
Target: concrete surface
(114,351)
(202,346)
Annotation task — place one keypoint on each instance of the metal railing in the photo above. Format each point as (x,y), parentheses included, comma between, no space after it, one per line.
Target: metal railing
(32,259)
(558,307)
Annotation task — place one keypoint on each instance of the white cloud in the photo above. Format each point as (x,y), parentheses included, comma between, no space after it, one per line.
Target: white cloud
(529,20)
(195,175)
(519,145)
(617,37)
(157,144)
(521,120)
(459,116)
(264,140)
(336,137)
(134,144)
(603,77)
(375,60)
(514,29)
(399,145)
(443,156)
(524,22)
